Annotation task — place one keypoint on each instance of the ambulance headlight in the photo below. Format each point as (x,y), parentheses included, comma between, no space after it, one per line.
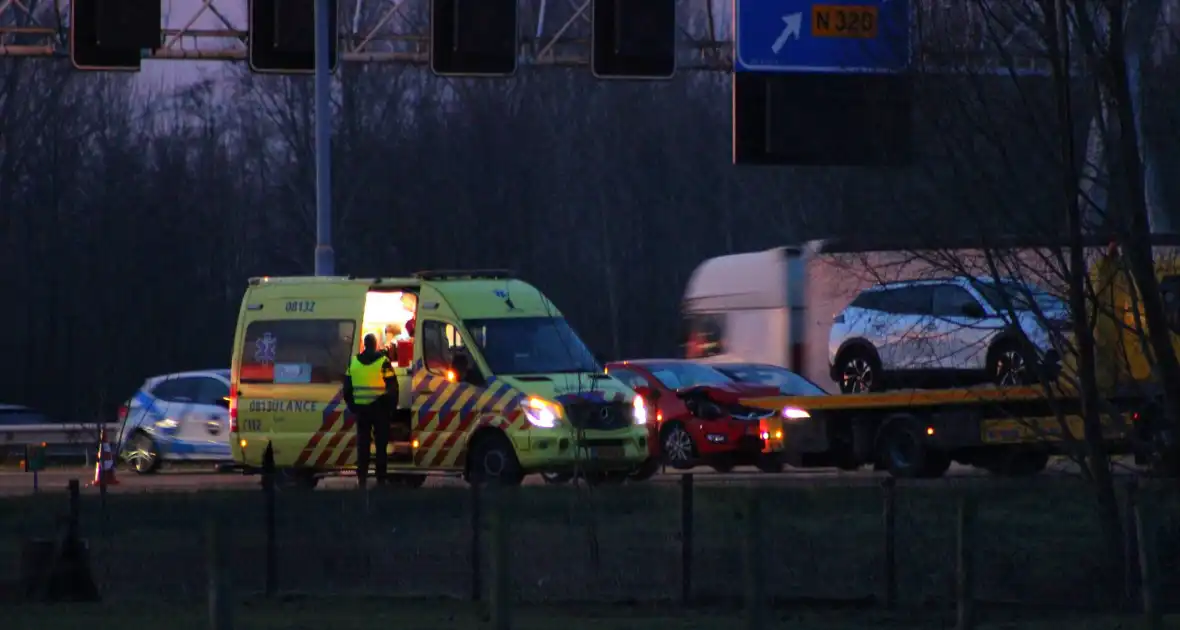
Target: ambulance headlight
(541,413)
(639,410)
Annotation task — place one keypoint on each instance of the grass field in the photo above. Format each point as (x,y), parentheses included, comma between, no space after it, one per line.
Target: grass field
(353,614)
(618,544)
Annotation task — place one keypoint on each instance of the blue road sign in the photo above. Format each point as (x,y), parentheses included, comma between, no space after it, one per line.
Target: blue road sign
(854,36)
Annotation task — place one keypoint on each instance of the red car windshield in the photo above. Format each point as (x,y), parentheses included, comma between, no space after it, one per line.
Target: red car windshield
(678,375)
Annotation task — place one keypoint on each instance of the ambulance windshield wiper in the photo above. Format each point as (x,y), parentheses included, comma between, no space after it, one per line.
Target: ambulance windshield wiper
(594,374)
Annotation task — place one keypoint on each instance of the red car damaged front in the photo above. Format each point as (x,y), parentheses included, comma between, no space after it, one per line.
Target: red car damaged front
(707,424)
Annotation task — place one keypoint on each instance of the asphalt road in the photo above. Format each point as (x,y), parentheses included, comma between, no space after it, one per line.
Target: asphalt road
(195,479)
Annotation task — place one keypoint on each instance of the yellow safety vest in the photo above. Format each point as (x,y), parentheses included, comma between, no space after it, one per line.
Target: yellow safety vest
(368,381)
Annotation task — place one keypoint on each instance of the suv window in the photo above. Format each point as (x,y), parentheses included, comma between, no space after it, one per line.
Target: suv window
(871,300)
(297,351)
(629,378)
(913,300)
(176,390)
(210,391)
(951,300)
(1170,292)
(704,335)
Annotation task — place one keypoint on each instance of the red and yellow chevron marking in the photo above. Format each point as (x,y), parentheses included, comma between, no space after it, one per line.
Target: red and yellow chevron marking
(330,419)
(447,416)
(443,420)
(446,447)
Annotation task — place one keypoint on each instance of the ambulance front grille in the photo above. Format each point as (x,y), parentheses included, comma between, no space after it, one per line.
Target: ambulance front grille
(599,416)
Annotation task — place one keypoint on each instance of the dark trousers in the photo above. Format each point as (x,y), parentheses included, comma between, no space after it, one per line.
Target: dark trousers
(372,429)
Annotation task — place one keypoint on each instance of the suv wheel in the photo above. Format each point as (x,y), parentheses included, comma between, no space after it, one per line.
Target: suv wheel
(859,371)
(1007,366)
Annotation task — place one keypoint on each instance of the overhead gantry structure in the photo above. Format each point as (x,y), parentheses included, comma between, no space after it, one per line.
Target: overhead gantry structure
(551,32)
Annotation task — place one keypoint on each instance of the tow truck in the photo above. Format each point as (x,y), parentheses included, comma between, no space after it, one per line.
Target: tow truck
(1011,431)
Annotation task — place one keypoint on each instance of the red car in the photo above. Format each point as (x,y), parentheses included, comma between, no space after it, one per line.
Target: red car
(698,418)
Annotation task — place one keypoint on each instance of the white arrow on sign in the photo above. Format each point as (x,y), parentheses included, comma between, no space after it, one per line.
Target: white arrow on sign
(793,21)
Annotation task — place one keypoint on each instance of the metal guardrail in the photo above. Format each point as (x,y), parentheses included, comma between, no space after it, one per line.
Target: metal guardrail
(55,434)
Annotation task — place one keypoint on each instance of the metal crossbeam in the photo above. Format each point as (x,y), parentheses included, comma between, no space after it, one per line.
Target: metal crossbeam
(964,38)
(555,32)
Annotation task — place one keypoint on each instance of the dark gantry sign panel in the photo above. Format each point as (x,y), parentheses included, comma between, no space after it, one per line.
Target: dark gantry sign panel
(812,119)
(633,39)
(282,36)
(474,37)
(111,34)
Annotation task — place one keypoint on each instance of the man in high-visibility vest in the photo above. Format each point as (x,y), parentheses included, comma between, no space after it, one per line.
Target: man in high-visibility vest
(370,391)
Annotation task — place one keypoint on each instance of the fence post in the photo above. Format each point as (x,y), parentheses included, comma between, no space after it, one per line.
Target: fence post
(1148,573)
(889,522)
(1130,546)
(965,565)
(268,497)
(476,555)
(755,569)
(220,616)
(500,599)
(686,523)
(75,507)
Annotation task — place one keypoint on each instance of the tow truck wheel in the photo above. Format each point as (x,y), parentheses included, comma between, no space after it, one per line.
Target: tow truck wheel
(142,454)
(557,478)
(492,460)
(679,451)
(903,452)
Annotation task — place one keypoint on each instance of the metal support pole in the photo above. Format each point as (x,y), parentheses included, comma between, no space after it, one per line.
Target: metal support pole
(324,255)
(1140,28)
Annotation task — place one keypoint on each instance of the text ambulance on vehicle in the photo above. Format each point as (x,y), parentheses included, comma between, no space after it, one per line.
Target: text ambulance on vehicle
(536,400)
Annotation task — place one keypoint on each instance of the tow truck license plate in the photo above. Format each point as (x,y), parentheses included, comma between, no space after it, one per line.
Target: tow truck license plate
(606,452)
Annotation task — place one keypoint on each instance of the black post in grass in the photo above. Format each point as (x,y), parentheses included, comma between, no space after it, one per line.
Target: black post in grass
(268,495)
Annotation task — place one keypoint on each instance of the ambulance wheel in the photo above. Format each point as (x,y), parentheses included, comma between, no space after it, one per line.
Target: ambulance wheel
(493,460)
(557,478)
(142,454)
(646,470)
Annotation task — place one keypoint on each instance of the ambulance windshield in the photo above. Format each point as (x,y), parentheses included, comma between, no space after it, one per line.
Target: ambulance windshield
(531,345)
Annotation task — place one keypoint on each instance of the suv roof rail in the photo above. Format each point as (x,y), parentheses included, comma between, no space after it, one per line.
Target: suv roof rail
(465,274)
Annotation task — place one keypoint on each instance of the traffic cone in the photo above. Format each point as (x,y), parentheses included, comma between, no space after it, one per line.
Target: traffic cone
(104,464)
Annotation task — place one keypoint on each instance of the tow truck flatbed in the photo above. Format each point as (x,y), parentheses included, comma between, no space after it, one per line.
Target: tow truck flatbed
(918,433)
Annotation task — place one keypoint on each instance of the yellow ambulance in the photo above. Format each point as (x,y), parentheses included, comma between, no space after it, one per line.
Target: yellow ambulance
(536,399)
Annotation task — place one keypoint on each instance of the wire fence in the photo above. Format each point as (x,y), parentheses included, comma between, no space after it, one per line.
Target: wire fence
(1038,542)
